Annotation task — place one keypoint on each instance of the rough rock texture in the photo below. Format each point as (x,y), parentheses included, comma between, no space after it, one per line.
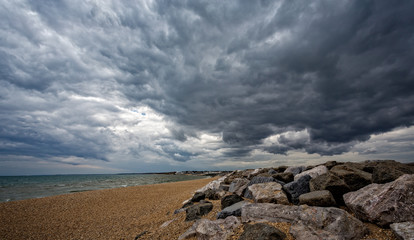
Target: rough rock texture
(213,184)
(238,186)
(308,222)
(295,170)
(403,230)
(256,180)
(353,177)
(233,210)
(384,203)
(271,171)
(297,188)
(198,196)
(212,230)
(261,231)
(330,164)
(388,171)
(286,177)
(213,194)
(332,183)
(314,172)
(196,211)
(321,198)
(270,192)
(230,200)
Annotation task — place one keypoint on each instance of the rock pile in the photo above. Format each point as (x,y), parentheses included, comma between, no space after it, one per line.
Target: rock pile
(311,199)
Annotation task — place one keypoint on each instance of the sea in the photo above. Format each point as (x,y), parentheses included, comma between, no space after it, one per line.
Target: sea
(14,188)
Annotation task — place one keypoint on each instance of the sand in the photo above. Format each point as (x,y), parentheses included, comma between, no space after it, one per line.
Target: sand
(122,213)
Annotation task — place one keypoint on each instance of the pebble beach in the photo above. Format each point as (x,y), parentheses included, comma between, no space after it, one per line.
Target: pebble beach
(121,213)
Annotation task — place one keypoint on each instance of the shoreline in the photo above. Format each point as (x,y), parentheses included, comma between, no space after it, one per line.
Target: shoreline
(117,213)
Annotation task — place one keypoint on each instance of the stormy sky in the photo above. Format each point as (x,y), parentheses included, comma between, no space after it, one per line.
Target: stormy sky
(105,86)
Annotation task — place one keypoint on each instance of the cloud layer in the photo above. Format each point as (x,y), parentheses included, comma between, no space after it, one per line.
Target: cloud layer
(169,85)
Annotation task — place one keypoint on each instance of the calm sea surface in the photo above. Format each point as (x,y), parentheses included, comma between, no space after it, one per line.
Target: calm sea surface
(25,187)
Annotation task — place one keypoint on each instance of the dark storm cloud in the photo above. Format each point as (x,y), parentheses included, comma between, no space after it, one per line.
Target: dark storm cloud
(246,70)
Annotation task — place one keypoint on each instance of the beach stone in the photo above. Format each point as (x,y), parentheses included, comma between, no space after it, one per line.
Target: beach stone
(224,187)
(330,164)
(297,188)
(353,177)
(308,222)
(314,172)
(198,196)
(232,210)
(214,194)
(332,183)
(230,200)
(256,180)
(384,203)
(270,192)
(261,231)
(388,171)
(321,198)
(271,171)
(295,170)
(212,230)
(286,177)
(215,184)
(403,230)
(238,186)
(196,211)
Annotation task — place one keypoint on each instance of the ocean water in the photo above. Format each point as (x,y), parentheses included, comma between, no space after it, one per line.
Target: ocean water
(24,187)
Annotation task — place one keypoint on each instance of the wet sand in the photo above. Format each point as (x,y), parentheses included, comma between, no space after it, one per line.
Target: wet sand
(121,213)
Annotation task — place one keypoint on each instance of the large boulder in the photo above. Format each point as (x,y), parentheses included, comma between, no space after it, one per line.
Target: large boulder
(388,171)
(230,200)
(261,231)
(232,210)
(384,203)
(295,170)
(198,196)
(196,211)
(215,184)
(404,230)
(353,177)
(308,222)
(238,186)
(332,183)
(270,192)
(297,188)
(256,180)
(286,177)
(321,198)
(214,194)
(212,230)
(314,172)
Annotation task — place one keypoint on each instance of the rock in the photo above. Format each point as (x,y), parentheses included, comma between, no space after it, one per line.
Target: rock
(384,203)
(213,184)
(321,198)
(256,180)
(308,222)
(281,169)
(297,188)
(353,177)
(270,192)
(214,194)
(404,230)
(388,171)
(196,211)
(238,186)
(286,177)
(212,230)
(314,172)
(230,200)
(261,231)
(198,196)
(224,187)
(271,171)
(233,210)
(330,164)
(332,183)
(295,170)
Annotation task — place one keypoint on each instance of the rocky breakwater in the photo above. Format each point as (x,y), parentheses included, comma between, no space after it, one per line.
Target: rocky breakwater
(329,201)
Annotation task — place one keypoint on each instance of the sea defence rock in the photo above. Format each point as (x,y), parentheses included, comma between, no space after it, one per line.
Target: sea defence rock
(388,171)
(384,203)
(261,231)
(297,188)
(198,196)
(295,170)
(353,177)
(232,210)
(238,186)
(215,185)
(230,200)
(308,222)
(404,230)
(314,172)
(196,211)
(286,177)
(214,194)
(256,180)
(212,230)
(270,192)
(332,183)
(321,198)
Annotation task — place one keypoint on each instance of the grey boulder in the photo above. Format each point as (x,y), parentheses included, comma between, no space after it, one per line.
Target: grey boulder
(261,231)
(403,230)
(212,230)
(332,183)
(321,198)
(270,192)
(196,211)
(314,172)
(233,210)
(238,186)
(297,188)
(384,203)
